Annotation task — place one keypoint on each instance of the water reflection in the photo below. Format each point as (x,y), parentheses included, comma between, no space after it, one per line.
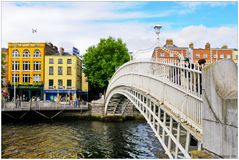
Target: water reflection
(79,139)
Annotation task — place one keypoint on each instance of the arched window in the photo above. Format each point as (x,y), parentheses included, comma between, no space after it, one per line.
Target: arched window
(15,53)
(37,53)
(26,53)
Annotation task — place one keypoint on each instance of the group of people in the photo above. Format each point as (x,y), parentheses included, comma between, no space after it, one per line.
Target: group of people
(67,99)
(35,99)
(186,78)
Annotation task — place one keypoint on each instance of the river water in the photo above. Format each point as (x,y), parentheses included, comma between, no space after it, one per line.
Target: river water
(79,139)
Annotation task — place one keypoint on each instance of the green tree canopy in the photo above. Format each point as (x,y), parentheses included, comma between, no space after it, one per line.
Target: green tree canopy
(101,61)
(3,69)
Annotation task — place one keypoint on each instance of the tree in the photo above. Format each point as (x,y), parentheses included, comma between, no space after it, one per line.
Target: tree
(3,69)
(101,61)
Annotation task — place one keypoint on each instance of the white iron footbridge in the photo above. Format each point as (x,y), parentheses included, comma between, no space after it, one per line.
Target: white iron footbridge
(168,95)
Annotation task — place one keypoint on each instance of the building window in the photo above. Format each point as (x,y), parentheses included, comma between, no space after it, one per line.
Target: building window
(68,70)
(205,55)
(59,70)
(68,61)
(161,54)
(37,66)
(37,53)
(51,71)
(221,55)
(26,78)
(26,53)
(51,83)
(197,55)
(60,61)
(51,61)
(15,65)
(68,84)
(60,84)
(214,55)
(228,56)
(26,65)
(16,78)
(36,78)
(15,54)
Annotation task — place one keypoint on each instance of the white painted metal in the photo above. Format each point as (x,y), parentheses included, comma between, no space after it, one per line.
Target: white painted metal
(173,88)
(166,131)
(171,92)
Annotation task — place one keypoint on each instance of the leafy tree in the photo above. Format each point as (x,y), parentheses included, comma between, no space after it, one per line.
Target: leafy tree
(101,61)
(3,69)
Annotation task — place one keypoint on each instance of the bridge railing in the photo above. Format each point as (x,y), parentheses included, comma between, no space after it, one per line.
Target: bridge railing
(187,77)
(177,85)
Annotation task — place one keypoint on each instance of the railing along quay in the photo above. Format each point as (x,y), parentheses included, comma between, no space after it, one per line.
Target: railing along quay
(42,106)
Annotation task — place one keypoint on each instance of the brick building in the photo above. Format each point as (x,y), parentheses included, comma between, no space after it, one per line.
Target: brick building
(212,54)
(171,51)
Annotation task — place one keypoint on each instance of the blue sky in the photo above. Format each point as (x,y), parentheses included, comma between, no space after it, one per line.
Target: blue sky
(206,13)
(82,24)
(220,14)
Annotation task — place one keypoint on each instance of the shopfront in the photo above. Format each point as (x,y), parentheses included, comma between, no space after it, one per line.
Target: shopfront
(51,95)
(25,93)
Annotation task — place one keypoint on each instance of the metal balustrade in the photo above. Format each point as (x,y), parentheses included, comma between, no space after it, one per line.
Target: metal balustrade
(175,86)
(167,127)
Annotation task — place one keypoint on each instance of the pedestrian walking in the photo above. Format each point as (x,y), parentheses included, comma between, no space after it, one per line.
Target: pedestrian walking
(201,63)
(17,102)
(71,100)
(75,101)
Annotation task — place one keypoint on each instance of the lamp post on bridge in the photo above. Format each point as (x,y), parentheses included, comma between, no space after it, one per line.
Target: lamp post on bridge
(157,31)
(131,56)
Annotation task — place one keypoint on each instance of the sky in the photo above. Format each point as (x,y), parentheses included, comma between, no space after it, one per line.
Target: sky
(82,24)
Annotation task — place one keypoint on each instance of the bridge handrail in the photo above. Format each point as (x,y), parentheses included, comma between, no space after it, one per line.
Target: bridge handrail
(189,78)
(157,61)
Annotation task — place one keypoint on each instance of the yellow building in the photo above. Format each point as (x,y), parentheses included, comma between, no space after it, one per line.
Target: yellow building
(84,83)
(235,55)
(62,75)
(26,64)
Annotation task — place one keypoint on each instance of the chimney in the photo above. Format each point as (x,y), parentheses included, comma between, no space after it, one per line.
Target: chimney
(207,46)
(191,45)
(169,42)
(224,47)
(61,51)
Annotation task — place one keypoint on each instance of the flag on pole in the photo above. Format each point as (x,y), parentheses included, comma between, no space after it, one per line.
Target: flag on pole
(34,30)
(76,51)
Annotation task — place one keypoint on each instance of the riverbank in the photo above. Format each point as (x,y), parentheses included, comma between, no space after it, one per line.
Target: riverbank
(94,113)
(72,116)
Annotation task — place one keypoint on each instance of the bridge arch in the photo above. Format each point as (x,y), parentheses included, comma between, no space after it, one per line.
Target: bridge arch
(172,118)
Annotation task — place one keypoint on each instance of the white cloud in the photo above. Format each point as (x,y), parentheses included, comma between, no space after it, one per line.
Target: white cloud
(81,26)
(201,34)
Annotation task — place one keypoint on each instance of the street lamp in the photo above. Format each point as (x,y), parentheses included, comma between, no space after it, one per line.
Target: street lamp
(157,31)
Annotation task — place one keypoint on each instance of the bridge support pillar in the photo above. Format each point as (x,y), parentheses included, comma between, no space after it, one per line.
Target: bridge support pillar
(220,110)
